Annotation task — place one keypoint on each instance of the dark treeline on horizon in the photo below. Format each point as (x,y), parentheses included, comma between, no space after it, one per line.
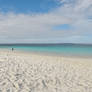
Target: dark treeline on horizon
(45,44)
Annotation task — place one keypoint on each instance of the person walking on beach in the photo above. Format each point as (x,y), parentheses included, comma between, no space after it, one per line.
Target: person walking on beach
(12,49)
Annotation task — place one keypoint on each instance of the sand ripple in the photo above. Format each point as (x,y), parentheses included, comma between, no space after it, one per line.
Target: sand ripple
(43,74)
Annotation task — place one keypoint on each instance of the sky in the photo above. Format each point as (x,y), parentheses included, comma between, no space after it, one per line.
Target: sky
(46,21)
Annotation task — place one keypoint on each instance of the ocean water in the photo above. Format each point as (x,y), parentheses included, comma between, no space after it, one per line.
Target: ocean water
(59,49)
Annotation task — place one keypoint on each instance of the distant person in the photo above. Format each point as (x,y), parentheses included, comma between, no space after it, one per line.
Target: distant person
(12,49)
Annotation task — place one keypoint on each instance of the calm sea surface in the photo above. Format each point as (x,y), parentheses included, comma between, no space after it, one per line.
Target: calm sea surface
(63,49)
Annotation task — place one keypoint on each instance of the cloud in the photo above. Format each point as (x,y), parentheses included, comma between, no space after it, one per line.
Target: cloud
(39,27)
(22,26)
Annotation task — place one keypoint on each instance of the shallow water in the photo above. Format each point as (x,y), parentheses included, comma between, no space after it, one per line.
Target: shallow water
(76,50)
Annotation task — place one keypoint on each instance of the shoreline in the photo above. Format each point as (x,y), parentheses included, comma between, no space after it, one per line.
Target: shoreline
(71,59)
(48,54)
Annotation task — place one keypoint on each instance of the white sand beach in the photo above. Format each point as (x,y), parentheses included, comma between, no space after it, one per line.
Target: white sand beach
(27,72)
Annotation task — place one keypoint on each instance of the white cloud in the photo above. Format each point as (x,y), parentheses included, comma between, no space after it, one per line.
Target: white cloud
(29,26)
(38,27)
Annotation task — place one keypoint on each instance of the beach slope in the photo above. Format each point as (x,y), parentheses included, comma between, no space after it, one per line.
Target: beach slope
(27,72)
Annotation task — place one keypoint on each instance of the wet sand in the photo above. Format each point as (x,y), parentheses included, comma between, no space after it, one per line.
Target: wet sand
(30,72)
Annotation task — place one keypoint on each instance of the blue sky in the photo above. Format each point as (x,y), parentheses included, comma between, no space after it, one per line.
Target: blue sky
(27,6)
(45,21)
(62,27)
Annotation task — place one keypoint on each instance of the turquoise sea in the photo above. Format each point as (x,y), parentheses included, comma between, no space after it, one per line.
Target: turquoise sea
(60,49)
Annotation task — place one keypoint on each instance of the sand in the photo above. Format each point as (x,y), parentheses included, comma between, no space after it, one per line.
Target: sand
(28,72)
